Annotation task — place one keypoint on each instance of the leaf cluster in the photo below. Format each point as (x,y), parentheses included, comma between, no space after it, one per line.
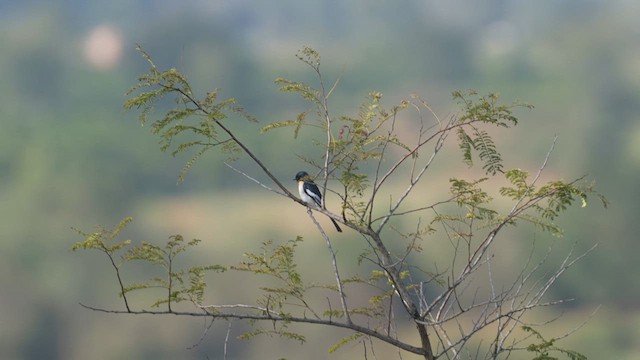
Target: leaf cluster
(480,110)
(179,284)
(103,239)
(538,205)
(547,201)
(354,144)
(362,141)
(276,262)
(545,347)
(191,122)
(470,195)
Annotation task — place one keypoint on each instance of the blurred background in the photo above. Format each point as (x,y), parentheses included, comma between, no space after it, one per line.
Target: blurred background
(70,156)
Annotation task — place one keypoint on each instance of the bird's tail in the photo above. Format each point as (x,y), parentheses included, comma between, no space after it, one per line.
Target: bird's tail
(336,225)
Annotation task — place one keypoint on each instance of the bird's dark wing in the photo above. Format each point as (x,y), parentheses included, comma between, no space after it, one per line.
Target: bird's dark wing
(312,190)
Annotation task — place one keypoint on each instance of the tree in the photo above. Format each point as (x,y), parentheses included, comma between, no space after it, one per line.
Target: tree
(458,306)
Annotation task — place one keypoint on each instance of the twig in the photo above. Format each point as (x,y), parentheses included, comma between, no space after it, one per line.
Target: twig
(413,181)
(254,179)
(343,299)
(124,295)
(515,211)
(226,339)
(204,333)
(535,179)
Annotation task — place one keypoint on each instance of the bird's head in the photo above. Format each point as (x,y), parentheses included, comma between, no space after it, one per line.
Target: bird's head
(301,176)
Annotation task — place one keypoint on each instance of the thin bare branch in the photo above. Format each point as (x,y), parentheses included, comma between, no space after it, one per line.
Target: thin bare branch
(226,338)
(336,273)
(254,179)
(204,334)
(414,180)
(117,269)
(259,317)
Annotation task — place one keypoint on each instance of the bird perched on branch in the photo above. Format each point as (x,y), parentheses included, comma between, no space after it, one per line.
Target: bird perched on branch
(310,194)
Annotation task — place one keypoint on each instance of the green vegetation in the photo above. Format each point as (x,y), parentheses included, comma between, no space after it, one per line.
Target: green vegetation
(366,156)
(71,157)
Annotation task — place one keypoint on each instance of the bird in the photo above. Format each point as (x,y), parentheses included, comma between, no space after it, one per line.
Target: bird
(310,194)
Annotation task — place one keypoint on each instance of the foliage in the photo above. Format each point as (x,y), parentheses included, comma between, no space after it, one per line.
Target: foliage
(279,264)
(484,110)
(155,85)
(179,284)
(543,348)
(367,156)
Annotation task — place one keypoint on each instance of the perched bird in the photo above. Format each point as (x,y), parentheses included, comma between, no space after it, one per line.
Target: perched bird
(310,194)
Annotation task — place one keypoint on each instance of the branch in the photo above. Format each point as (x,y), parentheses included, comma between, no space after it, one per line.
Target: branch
(226,338)
(343,299)
(414,180)
(204,333)
(327,155)
(375,188)
(535,179)
(122,292)
(254,180)
(393,273)
(351,326)
(235,139)
(515,211)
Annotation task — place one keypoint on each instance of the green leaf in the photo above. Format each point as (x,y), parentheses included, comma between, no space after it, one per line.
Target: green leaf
(465,143)
(192,123)
(297,124)
(305,91)
(544,347)
(344,341)
(102,239)
(185,169)
(484,145)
